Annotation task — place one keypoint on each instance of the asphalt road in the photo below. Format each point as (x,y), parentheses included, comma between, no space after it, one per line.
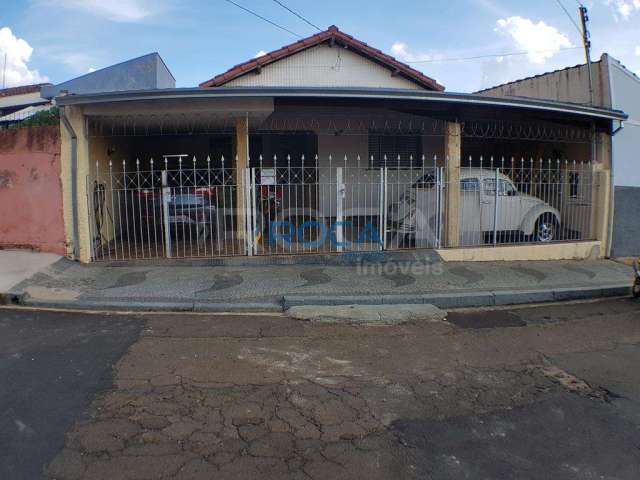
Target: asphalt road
(51,366)
(524,393)
(591,435)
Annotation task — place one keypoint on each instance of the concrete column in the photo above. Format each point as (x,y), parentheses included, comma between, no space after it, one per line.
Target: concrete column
(453,154)
(601,192)
(77,120)
(242,162)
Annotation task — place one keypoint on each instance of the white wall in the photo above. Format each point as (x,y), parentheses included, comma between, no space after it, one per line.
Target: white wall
(626,143)
(324,66)
(362,184)
(22,99)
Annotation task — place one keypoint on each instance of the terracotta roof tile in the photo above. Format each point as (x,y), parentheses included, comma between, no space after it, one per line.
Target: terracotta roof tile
(318,38)
(8,92)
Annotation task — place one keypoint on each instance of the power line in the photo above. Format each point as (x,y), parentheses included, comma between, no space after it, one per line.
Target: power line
(298,15)
(493,55)
(263,18)
(570,17)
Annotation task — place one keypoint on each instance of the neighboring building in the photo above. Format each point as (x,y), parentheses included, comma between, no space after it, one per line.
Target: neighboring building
(614,87)
(20,103)
(142,73)
(31,191)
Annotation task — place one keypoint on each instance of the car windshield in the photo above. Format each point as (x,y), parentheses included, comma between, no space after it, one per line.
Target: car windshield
(470,184)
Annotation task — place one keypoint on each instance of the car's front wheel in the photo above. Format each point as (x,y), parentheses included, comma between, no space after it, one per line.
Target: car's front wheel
(546,228)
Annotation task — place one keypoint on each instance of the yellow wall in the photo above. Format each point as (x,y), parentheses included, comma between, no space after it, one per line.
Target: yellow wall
(76,119)
(553,251)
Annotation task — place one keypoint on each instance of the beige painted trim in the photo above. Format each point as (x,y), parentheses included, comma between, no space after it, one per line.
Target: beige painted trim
(232,107)
(602,193)
(75,115)
(554,251)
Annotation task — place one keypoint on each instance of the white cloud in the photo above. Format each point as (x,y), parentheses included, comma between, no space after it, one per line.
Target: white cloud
(492,7)
(18,52)
(77,62)
(623,9)
(638,51)
(116,10)
(260,54)
(539,40)
(402,52)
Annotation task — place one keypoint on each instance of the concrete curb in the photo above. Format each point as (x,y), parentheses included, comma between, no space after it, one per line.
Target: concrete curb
(141,306)
(12,298)
(488,298)
(467,299)
(364,314)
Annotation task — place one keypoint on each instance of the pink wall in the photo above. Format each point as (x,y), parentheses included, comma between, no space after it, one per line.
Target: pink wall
(30,189)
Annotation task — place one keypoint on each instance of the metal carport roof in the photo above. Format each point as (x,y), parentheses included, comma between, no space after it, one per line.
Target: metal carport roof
(425,97)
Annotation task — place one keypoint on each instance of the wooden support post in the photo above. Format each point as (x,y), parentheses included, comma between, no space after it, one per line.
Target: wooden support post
(242,162)
(453,153)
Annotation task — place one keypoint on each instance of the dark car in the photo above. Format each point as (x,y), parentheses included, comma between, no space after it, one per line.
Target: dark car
(189,211)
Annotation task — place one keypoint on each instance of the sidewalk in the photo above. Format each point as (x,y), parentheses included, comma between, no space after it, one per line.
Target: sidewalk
(18,265)
(414,279)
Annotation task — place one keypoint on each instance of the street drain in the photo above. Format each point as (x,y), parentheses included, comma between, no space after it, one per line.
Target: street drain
(485,319)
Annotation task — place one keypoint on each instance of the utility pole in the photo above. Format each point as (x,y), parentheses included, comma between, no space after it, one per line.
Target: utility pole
(586,41)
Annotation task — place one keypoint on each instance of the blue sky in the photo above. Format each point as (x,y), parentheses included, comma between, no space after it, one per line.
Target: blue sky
(56,40)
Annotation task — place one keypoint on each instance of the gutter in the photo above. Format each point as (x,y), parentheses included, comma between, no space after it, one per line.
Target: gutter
(74,181)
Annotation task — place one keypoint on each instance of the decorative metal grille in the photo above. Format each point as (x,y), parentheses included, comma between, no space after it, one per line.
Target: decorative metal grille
(339,124)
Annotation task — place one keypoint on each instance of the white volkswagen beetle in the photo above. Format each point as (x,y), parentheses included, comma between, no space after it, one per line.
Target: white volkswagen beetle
(517,213)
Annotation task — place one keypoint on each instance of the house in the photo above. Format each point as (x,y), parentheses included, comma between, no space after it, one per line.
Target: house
(19,103)
(330,146)
(615,87)
(141,73)
(32,160)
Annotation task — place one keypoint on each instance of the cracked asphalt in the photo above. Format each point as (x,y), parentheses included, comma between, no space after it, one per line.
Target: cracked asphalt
(526,393)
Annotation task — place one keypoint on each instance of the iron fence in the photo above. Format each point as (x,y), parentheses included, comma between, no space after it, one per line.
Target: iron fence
(183,207)
(512,200)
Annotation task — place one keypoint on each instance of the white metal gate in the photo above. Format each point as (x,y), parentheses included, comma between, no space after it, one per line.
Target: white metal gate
(331,209)
(182,207)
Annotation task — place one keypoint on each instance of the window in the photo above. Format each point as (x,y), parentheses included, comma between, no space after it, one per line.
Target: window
(470,185)
(505,188)
(408,147)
